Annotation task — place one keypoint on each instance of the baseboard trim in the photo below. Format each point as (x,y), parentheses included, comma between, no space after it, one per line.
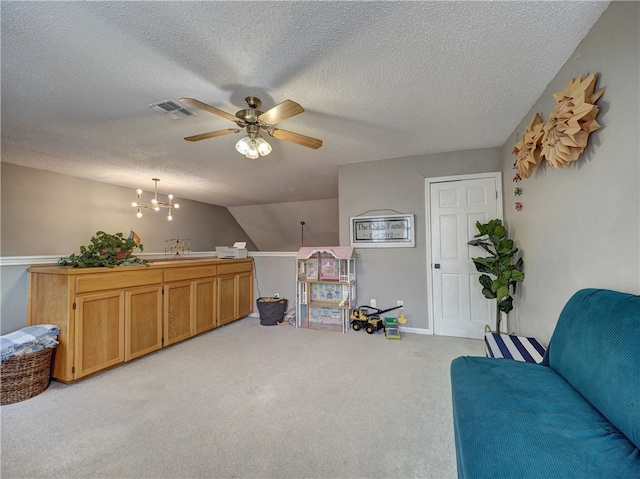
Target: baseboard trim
(402,329)
(415,330)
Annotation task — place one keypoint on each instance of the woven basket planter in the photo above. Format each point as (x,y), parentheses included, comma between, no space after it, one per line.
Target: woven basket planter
(26,376)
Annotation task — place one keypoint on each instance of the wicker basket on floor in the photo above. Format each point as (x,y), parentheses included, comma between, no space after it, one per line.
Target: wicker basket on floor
(26,376)
(271,310)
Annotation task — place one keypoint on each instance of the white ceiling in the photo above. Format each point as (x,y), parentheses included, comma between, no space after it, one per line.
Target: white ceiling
(377,80)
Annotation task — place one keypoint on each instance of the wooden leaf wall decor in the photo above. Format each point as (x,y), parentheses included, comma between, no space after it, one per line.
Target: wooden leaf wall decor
(567,130)
(529,148)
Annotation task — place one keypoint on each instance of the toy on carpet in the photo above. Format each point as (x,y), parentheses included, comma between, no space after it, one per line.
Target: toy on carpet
(392,330)
(368,318)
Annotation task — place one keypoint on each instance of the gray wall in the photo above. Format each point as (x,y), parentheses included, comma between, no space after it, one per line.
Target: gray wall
(13,289)
(580,225)
(275,273)
(46,213)
(397,185)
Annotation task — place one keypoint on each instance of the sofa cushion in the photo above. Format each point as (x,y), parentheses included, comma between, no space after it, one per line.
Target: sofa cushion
(517,419)
(509,346)
(596,348)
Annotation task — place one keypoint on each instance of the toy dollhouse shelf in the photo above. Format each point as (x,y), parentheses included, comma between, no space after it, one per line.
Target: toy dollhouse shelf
(326,287)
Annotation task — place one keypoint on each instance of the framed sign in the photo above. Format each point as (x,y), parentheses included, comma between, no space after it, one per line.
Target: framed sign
(382,231)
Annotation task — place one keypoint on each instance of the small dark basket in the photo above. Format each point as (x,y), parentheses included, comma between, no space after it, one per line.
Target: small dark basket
(271,310)
(26,376)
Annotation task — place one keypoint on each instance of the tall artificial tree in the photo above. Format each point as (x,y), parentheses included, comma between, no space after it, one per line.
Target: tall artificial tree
(500,273)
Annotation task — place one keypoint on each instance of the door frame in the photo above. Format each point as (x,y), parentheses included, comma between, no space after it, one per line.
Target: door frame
(497,176)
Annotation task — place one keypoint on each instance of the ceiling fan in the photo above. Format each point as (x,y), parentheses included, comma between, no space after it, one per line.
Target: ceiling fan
(254,120)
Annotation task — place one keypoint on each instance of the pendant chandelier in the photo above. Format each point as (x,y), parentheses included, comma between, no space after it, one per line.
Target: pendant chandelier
(155,204)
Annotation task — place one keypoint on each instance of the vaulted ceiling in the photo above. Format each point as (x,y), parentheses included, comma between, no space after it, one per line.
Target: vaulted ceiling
(377,80)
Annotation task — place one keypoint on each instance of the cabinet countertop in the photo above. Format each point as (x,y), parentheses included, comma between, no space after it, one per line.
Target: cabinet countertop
(153,264)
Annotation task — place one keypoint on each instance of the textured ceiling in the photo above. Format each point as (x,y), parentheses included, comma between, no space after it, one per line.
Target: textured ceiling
(377,80)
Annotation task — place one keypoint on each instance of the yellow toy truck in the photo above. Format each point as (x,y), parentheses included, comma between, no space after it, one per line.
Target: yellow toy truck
(368,318)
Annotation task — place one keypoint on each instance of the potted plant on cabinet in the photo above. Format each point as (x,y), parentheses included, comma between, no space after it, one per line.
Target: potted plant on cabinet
(105,250)
(500,274)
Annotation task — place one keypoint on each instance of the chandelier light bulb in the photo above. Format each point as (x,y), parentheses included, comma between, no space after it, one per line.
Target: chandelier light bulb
(176,205)
(154,203)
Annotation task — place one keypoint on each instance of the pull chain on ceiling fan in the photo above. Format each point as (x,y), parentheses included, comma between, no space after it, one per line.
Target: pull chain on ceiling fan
(253,120)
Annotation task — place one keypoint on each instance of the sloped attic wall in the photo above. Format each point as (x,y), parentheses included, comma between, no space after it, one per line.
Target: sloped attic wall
(47,213)
(276,226)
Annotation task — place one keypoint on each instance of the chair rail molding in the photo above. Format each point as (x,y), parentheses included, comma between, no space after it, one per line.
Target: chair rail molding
(53,258)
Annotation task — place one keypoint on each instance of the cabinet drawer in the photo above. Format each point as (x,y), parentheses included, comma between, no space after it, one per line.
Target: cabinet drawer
(235,267)
(189,272)
(117,280)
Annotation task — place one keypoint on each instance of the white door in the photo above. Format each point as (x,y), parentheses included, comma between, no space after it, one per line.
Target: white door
(458,306)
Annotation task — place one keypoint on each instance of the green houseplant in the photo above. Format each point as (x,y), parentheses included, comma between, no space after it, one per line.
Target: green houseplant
(105,250)
(500,273)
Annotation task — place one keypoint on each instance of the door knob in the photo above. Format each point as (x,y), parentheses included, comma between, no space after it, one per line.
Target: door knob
(436,265)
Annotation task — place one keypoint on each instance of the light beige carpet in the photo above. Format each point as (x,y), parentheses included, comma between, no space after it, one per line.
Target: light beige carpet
(248,400)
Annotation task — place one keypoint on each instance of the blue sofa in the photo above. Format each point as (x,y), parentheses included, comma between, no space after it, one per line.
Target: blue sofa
(575,415)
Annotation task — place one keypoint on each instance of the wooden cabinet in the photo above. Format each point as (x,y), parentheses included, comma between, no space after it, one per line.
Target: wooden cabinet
(99,335)
(190,301)
(226,299)
(143,321)
(206,311)
(178,321)
(245,294)
(235,291)
(110,316)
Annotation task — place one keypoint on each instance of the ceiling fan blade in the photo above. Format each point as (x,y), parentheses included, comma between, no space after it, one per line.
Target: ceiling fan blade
(284,110)
(211,134)
(210,109)
(296,138)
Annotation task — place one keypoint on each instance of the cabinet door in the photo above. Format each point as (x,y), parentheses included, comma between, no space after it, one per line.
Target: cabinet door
(99,339)
(143,321)
(206,313)
(245,294)
(178,318)
(227,292)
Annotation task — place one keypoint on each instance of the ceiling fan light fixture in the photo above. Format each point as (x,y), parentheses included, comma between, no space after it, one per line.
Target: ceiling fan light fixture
(253,120)
(243,145)
(253,148)
(253,154)
(264,148)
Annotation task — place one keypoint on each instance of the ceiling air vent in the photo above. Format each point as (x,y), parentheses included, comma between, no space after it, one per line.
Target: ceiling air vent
(172,108)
